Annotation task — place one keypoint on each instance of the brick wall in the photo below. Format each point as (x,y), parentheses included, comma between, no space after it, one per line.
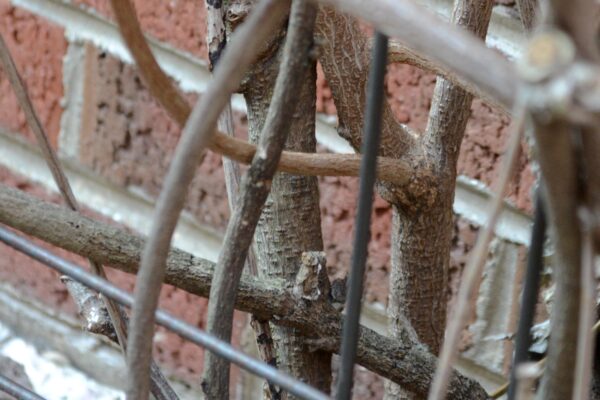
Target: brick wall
(103,120)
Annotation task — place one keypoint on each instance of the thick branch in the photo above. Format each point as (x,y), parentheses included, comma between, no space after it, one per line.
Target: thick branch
(255,189)
(246,43)
(168,96)
(160,387)
(420,292)
(404,363)
(345,57)
(439,41)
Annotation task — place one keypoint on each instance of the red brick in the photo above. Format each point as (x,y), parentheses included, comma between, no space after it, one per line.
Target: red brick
(129,139)
(180,23)
(38,49)
(39,282)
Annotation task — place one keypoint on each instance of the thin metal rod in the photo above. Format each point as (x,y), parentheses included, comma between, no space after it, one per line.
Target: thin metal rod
(17,391)
(530,293)
(370,147)
(163,318)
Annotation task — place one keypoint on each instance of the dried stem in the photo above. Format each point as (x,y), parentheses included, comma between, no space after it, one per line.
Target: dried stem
(255,189)
(404,362)
(161,87)
(473,269)
(160,386)
(587,317)
(439,41)
(216,40)
(243,48)
(91,308)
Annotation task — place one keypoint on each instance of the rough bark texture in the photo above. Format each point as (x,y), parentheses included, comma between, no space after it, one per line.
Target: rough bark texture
(420,249)
(294,71)
(421,240)
(406,363)
(290,223)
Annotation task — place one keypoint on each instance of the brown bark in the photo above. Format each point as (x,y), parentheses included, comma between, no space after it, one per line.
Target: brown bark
(421,243)
(293,70)
(406,362)
(290,223)
(458,51)
(159,384)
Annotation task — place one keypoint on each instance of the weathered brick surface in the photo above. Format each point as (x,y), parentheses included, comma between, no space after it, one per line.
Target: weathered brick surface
(37,48)
(130,139)
(180,23)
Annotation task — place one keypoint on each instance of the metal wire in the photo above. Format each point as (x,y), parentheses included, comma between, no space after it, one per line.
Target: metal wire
(163,318)
(370,147)
(17,391)
(530,294)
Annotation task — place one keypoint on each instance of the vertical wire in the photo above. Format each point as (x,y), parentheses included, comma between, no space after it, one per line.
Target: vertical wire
(530,293)
(370,147)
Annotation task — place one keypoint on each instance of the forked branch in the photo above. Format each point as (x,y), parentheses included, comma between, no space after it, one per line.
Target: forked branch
(406,363)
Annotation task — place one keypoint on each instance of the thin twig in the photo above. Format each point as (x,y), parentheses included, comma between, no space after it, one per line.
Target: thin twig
(501,390)
(246,42)
(439,41)
(403,362)
(161,87)
(473,269)
(587,310)
(216,40)
(527,375)
(530,291)
(160,386)
(255,189)
(400,53)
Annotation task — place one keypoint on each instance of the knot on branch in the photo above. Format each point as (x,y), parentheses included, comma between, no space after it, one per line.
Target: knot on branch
(91,308)
(312,282)
(422,191)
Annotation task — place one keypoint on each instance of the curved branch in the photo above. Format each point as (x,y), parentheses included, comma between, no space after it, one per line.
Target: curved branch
(160,386)
(403,362)
(400,53)
(244,46)
(439,41)
(165,92)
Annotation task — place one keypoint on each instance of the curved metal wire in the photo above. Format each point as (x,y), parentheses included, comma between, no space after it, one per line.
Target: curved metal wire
(163,318)
(370,147)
